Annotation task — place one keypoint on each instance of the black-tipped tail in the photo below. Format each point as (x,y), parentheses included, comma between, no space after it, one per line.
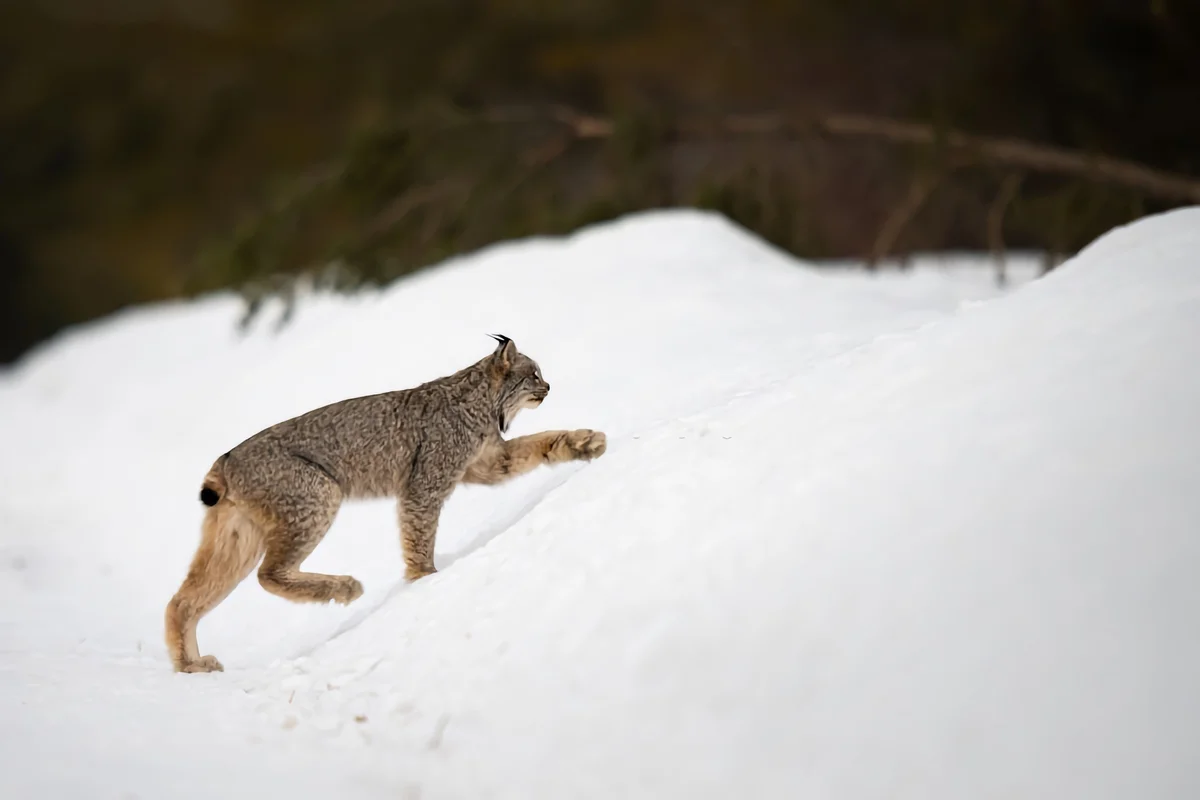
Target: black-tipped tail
(213,488)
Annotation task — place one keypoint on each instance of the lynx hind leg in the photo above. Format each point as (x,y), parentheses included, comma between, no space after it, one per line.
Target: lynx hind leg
(301,523)
(230,546)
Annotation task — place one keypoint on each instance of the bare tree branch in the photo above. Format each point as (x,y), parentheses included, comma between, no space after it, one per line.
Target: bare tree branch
(995,222)
(922,186)
(403,205)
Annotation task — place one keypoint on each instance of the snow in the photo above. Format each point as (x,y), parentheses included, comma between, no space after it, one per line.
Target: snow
(893,536)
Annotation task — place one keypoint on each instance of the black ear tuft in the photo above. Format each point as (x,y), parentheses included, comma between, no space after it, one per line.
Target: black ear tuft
(506,351)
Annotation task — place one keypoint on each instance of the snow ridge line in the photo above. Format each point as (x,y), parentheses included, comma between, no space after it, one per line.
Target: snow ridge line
(804,370)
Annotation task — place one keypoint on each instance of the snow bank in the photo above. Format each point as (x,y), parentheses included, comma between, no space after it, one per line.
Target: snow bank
(853,537)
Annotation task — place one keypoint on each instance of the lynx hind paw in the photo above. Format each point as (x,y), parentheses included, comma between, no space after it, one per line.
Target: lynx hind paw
(203,664)
(587,444)
(350,590)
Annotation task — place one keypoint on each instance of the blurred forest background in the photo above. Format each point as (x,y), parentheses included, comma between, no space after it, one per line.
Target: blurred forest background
(155,149)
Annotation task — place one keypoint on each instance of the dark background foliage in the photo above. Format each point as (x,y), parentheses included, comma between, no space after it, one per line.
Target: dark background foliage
(154,149)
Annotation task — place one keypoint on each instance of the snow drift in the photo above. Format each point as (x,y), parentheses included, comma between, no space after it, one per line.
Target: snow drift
(853,538)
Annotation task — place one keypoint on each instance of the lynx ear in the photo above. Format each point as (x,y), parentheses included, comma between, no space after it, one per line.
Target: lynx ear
(506,351)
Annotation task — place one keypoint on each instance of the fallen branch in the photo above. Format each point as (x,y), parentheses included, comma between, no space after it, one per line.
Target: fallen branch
(1006,152)
(1023,154)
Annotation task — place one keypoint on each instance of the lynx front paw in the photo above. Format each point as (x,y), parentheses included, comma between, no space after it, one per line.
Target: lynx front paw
(584,445)
(416,573)
(203,664)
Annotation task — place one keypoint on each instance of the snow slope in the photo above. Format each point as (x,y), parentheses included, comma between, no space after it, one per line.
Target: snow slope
(892,537)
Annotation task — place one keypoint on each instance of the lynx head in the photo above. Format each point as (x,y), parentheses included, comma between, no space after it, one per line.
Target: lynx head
(518,379)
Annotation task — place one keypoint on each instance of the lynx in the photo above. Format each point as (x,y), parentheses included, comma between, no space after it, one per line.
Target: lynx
(274,496)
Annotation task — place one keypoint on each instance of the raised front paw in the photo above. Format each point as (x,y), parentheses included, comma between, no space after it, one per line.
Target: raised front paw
(585,445)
